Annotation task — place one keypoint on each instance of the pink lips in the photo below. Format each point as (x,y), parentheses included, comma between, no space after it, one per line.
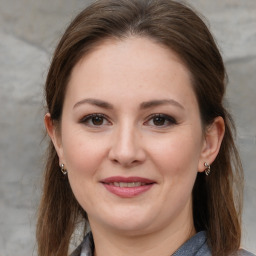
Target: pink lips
(127,187)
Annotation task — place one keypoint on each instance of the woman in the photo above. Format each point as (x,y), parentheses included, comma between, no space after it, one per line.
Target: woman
(141,146)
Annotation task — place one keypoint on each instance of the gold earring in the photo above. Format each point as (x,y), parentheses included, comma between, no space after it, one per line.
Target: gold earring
(63,170)
(208,169)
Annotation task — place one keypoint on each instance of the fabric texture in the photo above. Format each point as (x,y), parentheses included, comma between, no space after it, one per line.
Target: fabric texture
(196,246)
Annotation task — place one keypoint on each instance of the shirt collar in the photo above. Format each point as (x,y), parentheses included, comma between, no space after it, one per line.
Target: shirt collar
(195,246)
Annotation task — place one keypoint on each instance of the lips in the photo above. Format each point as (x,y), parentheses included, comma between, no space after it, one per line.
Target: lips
(127,184)
(127,187)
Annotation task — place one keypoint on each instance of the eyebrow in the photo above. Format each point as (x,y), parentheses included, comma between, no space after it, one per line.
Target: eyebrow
(143,105)
(155,103)
(95,102)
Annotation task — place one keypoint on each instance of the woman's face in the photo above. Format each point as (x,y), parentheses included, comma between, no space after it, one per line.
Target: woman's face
(131,137)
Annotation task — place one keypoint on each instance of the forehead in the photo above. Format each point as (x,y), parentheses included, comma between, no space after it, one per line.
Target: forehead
(136,65)
(133,47)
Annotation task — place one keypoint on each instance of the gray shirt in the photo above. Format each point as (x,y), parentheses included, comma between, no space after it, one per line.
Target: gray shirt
(196,246)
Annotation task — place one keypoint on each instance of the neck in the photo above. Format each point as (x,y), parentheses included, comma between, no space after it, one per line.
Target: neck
(162,242)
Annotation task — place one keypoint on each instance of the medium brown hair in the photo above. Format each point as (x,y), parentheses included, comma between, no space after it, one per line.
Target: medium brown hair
(216,198)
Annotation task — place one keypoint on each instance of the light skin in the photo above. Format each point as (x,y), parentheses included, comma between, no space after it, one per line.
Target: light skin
(130,111)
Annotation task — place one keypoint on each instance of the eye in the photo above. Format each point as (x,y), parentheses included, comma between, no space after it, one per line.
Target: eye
(95,120)
(160,120)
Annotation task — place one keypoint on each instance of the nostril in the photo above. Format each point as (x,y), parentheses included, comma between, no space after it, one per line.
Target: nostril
(126,164)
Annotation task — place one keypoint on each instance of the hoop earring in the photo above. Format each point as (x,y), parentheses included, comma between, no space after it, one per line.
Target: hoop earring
(208,169)
(63,170)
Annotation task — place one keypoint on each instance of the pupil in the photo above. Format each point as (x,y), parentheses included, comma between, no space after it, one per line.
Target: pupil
(97,120)
(159,120)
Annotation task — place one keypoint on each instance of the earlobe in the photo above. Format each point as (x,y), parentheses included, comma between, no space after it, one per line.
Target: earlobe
(54,134)
(212,141)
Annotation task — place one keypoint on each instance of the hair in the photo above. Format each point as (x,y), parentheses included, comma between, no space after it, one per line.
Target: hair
(217,198)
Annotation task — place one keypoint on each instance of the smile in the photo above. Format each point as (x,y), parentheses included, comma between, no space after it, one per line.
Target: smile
(127,187)
(127,184)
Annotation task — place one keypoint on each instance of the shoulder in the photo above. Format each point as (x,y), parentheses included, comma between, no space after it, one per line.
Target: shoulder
(86,248)
(77,251)
(243,252)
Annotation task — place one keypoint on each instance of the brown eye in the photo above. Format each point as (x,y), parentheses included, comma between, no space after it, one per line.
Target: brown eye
(159,120)
(97,120)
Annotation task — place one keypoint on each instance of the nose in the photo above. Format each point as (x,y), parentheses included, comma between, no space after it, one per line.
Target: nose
(127,147)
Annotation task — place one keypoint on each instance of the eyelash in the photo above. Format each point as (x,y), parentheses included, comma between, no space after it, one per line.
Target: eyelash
(87,120)
(166,118)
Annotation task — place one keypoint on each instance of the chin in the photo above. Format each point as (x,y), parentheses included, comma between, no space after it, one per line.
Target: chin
(130,224)
(130,229)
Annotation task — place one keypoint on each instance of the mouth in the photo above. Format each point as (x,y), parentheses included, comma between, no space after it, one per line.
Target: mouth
(127,187)
(127,184)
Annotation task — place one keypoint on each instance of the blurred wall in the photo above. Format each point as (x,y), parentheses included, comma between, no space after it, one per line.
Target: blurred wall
(29,31)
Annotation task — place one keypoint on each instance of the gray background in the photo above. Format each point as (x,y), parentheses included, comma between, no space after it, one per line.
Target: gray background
(29,31)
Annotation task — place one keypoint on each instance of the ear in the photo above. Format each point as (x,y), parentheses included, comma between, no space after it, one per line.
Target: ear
(55,135)
(212,141)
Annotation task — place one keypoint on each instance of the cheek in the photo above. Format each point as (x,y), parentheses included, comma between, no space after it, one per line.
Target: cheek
(83,157)
(82,153)
(178,154)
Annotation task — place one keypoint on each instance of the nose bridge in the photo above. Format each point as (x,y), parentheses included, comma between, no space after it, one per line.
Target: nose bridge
(126,146)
